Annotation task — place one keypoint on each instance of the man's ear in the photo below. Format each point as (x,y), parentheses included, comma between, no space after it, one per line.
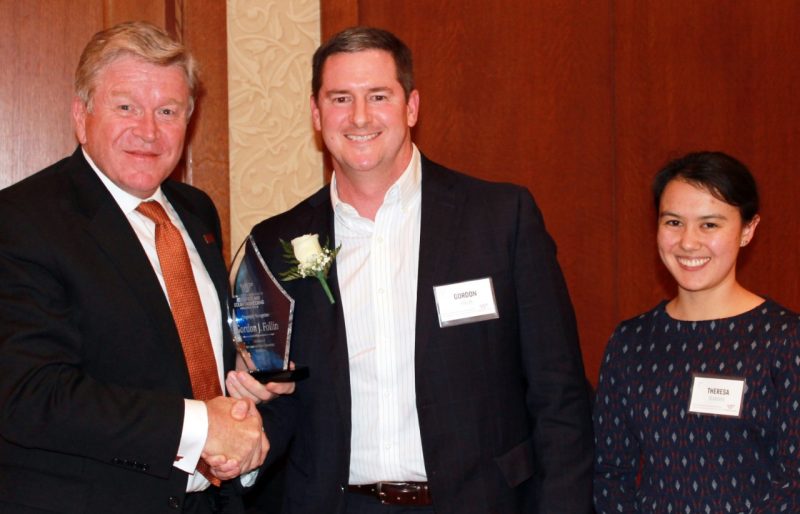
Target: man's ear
(79,113)
(315,114)
(412,108)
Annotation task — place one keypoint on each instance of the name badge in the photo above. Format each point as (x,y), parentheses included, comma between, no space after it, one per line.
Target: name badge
(465,302)
(721,396)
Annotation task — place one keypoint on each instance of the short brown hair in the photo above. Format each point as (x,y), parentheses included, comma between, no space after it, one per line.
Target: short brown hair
(359,39)
(138,39)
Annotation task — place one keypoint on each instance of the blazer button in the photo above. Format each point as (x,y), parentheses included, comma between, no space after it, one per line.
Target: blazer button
(174,502)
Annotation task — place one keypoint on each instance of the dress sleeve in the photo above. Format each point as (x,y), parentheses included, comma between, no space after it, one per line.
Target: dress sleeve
(617,453)
(785,493)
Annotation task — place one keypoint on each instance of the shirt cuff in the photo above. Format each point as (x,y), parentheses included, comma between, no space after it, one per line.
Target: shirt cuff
(193,435)
(248,479)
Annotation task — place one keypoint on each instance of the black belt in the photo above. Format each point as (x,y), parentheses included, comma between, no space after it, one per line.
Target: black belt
(396,493)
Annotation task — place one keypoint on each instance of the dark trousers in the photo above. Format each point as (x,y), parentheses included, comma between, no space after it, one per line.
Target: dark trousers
(214,501)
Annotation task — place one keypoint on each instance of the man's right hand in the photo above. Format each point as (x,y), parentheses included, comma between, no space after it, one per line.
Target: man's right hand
(235,436)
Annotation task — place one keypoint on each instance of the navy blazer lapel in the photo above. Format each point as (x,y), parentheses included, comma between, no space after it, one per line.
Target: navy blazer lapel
(439,229)
(110,229)
(322,223)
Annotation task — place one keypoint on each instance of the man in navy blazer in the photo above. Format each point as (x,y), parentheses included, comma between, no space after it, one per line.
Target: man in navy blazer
(447,375)
(97,412)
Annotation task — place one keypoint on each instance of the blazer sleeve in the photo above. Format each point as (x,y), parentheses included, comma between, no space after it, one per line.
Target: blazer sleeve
(557,394)
(48,399)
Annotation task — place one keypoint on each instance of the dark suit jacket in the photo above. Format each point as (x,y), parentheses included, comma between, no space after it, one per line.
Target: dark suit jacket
(503,407)
(92,372)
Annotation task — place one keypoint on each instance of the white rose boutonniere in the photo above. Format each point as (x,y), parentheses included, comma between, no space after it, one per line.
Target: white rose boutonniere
(308,259)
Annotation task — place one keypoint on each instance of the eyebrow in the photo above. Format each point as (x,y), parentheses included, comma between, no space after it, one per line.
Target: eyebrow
(113,93)
(713,216)
(118,95)
(379,89)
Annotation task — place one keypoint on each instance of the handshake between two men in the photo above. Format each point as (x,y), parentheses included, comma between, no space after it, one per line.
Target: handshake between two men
(236,443)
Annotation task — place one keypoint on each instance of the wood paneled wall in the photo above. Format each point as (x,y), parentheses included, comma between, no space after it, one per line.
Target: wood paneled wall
(40,43)
(583,101)
(39,49)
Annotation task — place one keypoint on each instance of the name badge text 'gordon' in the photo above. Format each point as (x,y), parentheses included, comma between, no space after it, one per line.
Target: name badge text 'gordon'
(465,302)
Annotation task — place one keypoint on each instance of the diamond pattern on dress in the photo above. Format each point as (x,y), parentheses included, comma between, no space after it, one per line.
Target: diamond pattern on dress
(655,456)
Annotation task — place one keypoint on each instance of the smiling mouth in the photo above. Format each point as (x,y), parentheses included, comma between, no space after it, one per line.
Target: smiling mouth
(696,262)
(141,153)
(362,138)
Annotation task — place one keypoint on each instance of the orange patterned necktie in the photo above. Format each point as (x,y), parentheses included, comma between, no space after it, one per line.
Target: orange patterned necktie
(187,310)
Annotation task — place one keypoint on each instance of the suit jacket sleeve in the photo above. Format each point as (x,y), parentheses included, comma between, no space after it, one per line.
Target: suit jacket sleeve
(62,390)
(557,391)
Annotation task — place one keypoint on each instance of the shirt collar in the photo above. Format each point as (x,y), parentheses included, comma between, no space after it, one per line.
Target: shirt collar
(405,190)
(126,201)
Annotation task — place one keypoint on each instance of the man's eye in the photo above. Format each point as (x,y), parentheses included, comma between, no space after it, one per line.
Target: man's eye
(340,100)
(379,98)
(168,112)
(125,107)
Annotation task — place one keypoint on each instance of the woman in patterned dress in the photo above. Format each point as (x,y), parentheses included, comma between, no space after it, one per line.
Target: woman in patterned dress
(698,404)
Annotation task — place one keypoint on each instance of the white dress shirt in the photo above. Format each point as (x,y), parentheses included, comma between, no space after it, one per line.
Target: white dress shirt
(377,273)
(195,420)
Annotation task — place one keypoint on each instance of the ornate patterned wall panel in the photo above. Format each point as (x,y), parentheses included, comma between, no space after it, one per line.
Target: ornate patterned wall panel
(274,156)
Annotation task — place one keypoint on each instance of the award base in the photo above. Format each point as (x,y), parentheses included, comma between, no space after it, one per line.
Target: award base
(281,375)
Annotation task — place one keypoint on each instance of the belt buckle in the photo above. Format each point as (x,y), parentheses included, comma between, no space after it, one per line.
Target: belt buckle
(402,488)
(381,493)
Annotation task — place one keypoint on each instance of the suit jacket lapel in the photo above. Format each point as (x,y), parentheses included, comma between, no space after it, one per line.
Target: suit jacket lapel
(322,223)
(112,232)
(198,232)
(440,218)
(209,252)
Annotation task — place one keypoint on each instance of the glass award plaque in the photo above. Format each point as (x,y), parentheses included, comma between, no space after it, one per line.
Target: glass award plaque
(261,317)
